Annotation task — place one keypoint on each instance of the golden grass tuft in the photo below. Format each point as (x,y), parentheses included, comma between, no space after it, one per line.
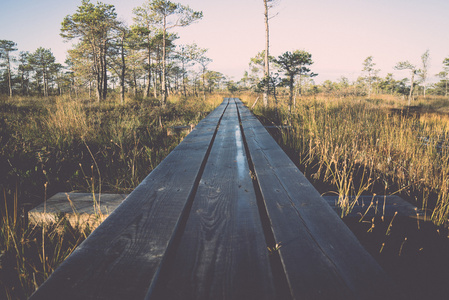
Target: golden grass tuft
(67,120)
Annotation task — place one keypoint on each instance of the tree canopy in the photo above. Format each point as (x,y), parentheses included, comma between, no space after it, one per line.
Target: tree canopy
(292,64)
(94,26)
(6,47)
(164,15)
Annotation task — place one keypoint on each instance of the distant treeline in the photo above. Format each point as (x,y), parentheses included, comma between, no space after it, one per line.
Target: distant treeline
(143,60)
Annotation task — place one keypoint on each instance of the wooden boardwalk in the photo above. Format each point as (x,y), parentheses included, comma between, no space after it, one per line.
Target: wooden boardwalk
(199,225)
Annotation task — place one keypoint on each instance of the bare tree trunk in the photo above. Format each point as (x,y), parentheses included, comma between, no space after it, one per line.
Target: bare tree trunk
(105,75)
(294,97)
(290,101)
(163,87)
(424,70)
(445,92)
(411,88)
(22,85)
(204,84)
(298,91)
(9,74)
(98,92)
(44,78)
(97,68)
(155,85)
(147,91)
(267,66)
(184,89)
(122,87)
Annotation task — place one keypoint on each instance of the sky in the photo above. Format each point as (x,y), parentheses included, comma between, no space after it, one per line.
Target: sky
(340,35)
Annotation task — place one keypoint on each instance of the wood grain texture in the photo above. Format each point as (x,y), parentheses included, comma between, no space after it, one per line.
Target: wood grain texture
(321,257)
(123,256)
(222,253)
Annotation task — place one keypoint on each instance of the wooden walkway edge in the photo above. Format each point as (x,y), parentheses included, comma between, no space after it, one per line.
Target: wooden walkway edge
(199,225)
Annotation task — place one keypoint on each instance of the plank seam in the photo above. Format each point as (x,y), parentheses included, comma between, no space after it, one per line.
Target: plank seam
(180,227)
(282,286)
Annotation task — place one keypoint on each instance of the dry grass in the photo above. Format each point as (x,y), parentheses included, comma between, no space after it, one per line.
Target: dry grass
(58,145)
(67,120)
(31,253)
(372,146)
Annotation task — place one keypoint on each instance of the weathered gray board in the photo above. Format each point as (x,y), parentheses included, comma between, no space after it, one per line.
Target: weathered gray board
(80,209)
(180,129)
(378,206)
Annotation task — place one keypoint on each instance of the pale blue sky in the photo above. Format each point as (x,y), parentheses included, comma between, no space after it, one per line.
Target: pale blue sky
(339,34)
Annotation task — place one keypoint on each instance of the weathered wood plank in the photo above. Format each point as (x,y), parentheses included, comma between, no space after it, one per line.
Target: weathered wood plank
(378,206)
(123,256)
(222,253)
(79,209)
(322,259)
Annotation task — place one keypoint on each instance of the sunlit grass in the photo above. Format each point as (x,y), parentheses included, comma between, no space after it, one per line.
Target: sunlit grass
(366,146)
(31,253)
